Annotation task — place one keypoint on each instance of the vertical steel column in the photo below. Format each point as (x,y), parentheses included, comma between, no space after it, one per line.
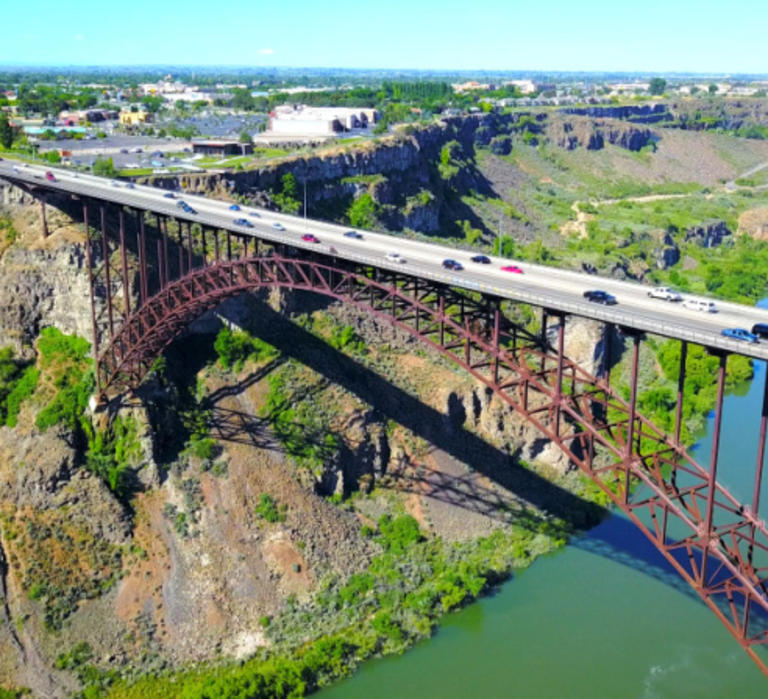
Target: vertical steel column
(124,260)
(166,256)
(610,329)
(496,325)
(142,245)
(89,263)
(416,302)
(205,246)
(160,264)
(229,246)
(761,449)
(559,385)
(632,414)
(245,248)
(543,340)
(180,243)
(105,252)
(680,392)
(712,477)
(189,246)
(216,242)
(441,312)
(45,219)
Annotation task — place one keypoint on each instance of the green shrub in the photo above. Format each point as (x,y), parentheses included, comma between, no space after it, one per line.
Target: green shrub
(268,509)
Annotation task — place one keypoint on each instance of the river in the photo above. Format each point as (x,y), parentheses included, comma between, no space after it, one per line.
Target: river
(604,617)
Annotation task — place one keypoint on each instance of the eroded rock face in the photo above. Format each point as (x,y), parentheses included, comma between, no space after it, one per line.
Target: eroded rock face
(709,235)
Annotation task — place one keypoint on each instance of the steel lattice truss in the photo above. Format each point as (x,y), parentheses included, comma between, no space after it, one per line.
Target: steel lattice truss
(717,544)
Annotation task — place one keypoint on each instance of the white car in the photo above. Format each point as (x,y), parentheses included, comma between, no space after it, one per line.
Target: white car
(278,226)
(395,257)
(700,305)
(665,293)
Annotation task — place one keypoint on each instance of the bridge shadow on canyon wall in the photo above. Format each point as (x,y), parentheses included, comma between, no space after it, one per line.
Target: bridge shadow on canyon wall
(612,537)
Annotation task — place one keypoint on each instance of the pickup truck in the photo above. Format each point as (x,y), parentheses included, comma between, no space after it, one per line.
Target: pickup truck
(665,293)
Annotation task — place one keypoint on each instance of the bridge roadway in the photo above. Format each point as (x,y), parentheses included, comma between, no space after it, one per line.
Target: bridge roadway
(548,287)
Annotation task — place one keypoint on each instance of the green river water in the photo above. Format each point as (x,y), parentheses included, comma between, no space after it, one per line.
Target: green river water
(604,617)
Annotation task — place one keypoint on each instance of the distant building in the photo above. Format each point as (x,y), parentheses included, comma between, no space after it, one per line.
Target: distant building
(129,118)
(221,148)
(83,116)
(471,85)
(302,120)
(526,87)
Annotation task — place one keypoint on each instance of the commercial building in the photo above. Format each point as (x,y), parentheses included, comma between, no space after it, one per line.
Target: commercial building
(221,148)
(303,120)
(129,118)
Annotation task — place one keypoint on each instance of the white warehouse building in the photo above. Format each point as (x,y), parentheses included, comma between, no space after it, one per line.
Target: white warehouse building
(301,120)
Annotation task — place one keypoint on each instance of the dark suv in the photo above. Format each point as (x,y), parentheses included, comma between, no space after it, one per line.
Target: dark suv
(452,264)
(760,329)
(599,296)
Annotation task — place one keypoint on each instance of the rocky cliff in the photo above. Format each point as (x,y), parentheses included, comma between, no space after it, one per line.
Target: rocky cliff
(182,565)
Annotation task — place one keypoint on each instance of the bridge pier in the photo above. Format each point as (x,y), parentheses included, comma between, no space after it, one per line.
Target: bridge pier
(632,413)
(45,219)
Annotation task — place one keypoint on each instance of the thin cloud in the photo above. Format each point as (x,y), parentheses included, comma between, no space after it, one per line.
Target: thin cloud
(266,52)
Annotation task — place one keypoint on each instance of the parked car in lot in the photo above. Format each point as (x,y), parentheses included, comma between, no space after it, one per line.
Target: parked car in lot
(665,293)
(309,238)
(481,259)
(512,268)
(600,296)
(395,257)
(760,329)
(353,234)
(243,222)
(700,305)
(278,226)
(448,263)
(50,176)
(740,334)
(234,207)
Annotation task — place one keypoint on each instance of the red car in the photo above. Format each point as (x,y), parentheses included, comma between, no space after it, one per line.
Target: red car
(309,238)
(512,268)
(49,176)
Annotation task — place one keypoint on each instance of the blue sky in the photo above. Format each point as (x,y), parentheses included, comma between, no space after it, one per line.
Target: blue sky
(591,35)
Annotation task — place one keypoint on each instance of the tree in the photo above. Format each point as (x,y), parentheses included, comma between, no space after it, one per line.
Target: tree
(103,167)
(712,89)
(362,212)
(657,86)
(6,131)
(245,137)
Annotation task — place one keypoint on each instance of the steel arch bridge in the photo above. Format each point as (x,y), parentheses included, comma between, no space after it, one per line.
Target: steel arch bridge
(148,282)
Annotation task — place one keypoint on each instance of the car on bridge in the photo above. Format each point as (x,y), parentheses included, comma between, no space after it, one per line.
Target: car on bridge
(169,195)
(760,329)
(243,222)
(395,257)
(481,259)
(50,176)
(665,293)
(703,305)
(740,334)
(255,214)
(512,268)
(600,296)
(130,185)
(278,226)
(353,234)
(309,238)
(188,209)
(234,207)
(448,263)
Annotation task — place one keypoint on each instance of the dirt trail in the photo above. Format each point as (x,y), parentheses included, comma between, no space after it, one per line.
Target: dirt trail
(579,225)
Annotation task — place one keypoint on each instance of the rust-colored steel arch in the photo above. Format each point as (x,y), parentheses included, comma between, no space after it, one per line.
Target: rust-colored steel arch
(712,540)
